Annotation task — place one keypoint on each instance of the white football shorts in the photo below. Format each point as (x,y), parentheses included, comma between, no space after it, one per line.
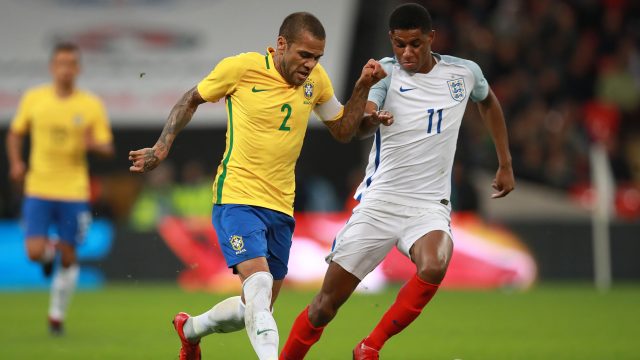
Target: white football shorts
(376,226)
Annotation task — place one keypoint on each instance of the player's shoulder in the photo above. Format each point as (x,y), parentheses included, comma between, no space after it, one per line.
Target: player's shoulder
(388,63)
(319,70)
(246,59)
(450,60)
(38,91)
(88,97)
(320,76)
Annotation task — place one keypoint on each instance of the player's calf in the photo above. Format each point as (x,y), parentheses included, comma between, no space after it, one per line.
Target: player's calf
(323,309)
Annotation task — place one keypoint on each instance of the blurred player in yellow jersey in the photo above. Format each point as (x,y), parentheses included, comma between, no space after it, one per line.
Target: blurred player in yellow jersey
(269,97)
(64,123)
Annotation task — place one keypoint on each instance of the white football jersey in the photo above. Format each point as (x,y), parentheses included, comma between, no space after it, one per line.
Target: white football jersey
(410,161)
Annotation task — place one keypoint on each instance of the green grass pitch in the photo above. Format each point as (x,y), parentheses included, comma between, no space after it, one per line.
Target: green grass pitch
(133,321)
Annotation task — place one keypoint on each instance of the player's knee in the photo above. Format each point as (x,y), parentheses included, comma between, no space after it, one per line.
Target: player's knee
(35,254)
(67,256)
(68,261)
(433,271)
(322,310)
(258,287)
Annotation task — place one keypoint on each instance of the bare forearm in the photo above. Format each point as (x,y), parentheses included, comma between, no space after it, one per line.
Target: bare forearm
(493,118)
(14,147)
(105,151)
(179,117)
(367,127)
(347,126)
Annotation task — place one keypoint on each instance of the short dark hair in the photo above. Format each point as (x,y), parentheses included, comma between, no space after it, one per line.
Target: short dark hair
(410,16)
(294,24)
(64,47)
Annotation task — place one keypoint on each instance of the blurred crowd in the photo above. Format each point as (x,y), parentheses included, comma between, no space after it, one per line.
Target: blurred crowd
(553,65)
(558,68)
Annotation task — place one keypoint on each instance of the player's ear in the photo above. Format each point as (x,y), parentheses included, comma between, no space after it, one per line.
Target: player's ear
(431,35)
(281,43)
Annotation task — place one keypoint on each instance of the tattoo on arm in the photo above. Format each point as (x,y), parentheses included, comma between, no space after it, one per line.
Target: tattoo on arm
(179,117)
(345,128)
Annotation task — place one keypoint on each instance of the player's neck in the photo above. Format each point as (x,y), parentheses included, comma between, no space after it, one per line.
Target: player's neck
(278,64)
(428,65)
(64,90)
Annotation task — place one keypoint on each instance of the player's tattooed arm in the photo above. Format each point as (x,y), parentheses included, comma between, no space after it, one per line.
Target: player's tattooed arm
(372,120)
(491,113)
(147,159)
(345,128)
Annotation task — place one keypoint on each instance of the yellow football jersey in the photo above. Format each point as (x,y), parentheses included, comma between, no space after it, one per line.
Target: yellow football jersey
(58,128)
(267,122)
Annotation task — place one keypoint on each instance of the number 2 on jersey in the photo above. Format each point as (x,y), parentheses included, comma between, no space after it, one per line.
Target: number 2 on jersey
(287,108)
(431,112)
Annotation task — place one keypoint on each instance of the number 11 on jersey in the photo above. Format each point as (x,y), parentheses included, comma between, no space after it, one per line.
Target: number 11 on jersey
(431,112)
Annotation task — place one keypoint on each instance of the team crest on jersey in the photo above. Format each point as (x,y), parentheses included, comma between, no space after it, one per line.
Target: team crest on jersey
(308,89)
(457,89)
(237,244)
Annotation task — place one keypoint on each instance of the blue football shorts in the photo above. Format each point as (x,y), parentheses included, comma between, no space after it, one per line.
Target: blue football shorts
(69,219)
(247,232)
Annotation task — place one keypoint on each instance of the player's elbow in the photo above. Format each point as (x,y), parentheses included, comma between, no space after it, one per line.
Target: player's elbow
(343,137)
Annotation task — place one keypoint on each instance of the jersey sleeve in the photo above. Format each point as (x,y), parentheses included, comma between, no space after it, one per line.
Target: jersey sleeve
(378,92)
(21,121)
(327,107)
(100,129)
(481,86)
(223,79)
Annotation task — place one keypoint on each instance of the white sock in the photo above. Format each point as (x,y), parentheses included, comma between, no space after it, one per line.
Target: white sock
(260,325)
(49,253)
(226,316)
(62,287)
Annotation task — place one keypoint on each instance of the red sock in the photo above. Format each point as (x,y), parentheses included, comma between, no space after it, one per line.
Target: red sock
(412,298)
(303,335)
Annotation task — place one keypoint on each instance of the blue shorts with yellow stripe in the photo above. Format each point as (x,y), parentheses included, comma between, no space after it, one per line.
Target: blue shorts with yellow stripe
(247,232)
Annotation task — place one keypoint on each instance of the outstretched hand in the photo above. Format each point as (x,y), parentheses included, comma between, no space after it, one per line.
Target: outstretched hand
(383,117)
(372,72)
(145,160)
(504,182)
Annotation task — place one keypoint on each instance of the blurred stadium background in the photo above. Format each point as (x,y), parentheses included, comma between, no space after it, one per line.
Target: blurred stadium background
(567,74)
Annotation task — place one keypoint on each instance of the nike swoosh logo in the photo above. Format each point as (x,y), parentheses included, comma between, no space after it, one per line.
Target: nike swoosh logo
(258,90)
(265,330)
(406,89)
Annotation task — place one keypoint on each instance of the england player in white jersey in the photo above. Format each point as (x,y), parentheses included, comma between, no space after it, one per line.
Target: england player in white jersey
(404,197)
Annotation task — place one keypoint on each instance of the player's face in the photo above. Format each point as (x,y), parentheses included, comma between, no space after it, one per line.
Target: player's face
(299,57)
(412,48)
(65,67)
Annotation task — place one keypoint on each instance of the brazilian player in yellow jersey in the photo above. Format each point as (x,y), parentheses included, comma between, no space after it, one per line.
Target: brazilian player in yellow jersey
(269,97)
(64,123)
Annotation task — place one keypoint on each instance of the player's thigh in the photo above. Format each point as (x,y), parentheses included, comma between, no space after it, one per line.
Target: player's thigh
(427,241)
(37,217)
(72,220)
(280,228)
(277,285)
(242,238)
(364,241)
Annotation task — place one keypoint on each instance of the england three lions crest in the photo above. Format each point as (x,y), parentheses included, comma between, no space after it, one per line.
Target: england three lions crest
(456,89)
